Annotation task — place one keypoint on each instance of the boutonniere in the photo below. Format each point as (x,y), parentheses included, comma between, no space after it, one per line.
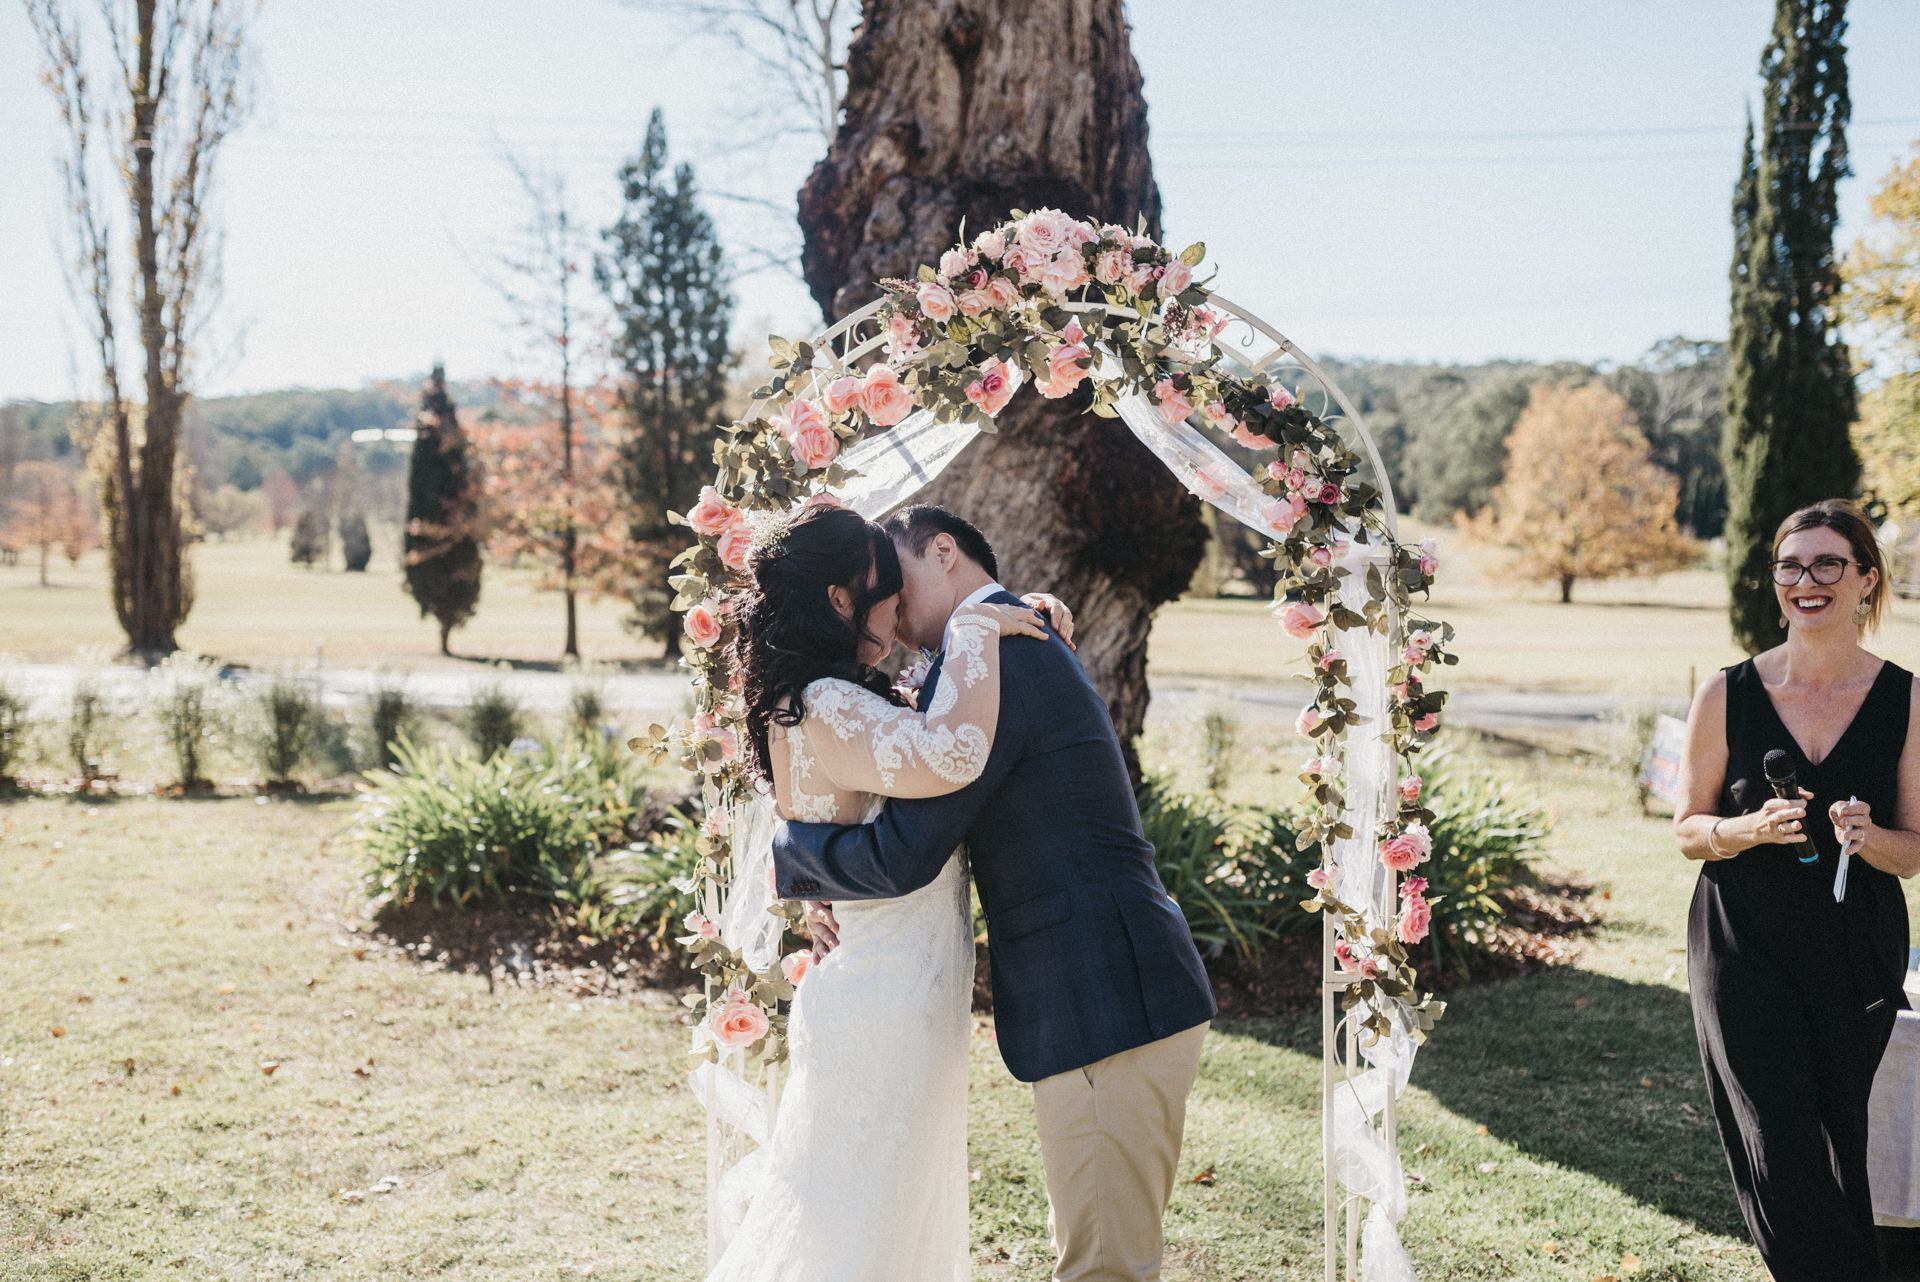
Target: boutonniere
(913,676)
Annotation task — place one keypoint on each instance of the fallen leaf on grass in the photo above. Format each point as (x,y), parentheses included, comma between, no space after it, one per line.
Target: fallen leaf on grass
(1480,1129)
(176,1090)
(59,1032)
(129,1066)
(1629,1263)
(350,1195)
(1205,1177)
(362,1071)
(1488,1168)
(1646,1081)
(1550,1247)
(269,1066)
(1579,1003)
(228,988)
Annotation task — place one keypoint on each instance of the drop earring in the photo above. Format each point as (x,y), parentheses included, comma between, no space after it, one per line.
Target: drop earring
(1860,612)
(1783,623)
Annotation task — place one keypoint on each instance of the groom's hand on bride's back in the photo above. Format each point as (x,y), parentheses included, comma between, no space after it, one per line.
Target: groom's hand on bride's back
(822,928)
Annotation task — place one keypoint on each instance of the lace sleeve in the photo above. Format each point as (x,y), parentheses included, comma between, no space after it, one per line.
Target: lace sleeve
(866,744)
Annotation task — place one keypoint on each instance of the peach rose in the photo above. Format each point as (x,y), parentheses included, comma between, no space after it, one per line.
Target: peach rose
(1175,278)
(825,498)
(801,414)
(1138,279)
(737,1023)
(974,301)
(1002,293)
(712,513)
(1299,619)
(1410,789)
(1415,919)
(1207,486)
(1026,262)
(796,965)
(936,302)
(1066,367)
(703,926)
(993,389)
(1174,405)
(703,624)
(903,336)
(955,262)
(884,398)
(1110,266)
(1400,853)
(814,446)
(1066,270)
(736,545)
(990,244)
(1248,437)
(1282,398)
(841,394)
(1045,230)
(1282,515)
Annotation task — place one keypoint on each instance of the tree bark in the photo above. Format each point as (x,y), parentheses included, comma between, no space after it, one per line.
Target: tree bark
(966,110)
(1566,589)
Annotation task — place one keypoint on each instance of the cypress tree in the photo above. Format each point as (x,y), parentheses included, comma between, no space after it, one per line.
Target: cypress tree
(664,274)
(1790,394)
(442,549)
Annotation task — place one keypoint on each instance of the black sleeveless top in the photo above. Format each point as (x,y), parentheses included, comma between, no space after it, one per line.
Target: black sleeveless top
(1771,908)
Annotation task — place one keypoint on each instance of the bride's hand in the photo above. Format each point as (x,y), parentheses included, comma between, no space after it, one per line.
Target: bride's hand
(1056,611)
(1013,620)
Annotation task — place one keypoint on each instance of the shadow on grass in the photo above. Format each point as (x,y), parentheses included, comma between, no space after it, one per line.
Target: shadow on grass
(1554,1063)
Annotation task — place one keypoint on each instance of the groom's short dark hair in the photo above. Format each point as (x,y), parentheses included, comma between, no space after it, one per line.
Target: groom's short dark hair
(917,526)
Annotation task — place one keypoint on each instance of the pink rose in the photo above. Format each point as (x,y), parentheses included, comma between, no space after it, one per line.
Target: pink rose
(1309,720)
(1277,470)
(736,545)
(1175,278)
(1321,556)
(903,336)
(884,398)
(841,394)
(824,498)
(1426,723)
(814,447)
(702,925)
(974,301)
(1207,486)
(801,414)
(1330,658)
(990,244)
(1027,262)
(1110,266)
(1282,399)
(1410,789)
(737,1023)
(703,624)
(1429,557)
(1343,953)
(1300,461)
(993,389)
(1138,279)
(1044,230)
(715,824)
(1319,878)
(1329,493)
(712,513)
(1066,368)
(1299,619)
(1413,886)
(1320,767)
(954,262)
(1412,655)
(1282,515)
(1422,639)
(1174,405)
(1402,692)
(1295,479)
(796,965)
(1400,853)
(1248,437)
(936,302)
(729,749)
(1066,270)
(1002,293)
(1415,919)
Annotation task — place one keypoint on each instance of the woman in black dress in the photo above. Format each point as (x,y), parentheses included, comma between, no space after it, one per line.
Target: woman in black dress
(1795,991)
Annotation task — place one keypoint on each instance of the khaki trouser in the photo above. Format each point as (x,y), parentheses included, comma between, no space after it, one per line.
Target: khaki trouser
(1110,1141)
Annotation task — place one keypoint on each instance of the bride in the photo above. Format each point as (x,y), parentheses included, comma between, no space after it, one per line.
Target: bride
(866,1175)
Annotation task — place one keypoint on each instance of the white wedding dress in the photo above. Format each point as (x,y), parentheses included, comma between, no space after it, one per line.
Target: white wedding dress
(865,1173)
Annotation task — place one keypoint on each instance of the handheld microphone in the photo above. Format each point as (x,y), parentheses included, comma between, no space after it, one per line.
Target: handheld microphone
(1785,780)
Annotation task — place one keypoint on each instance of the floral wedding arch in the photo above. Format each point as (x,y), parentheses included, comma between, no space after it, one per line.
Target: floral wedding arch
(868,412)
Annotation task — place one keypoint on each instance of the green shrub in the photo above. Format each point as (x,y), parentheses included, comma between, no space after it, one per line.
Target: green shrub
(390,716)
(15,721)
(86,724)
(1236,873)
(494,719)
(455,827)
(648,886)
(188,686)
(285,716)
(586,709)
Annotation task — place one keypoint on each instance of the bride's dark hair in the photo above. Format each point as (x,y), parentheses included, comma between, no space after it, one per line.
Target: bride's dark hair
(789,634)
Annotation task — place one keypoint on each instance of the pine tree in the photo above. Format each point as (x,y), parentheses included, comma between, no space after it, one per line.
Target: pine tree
(663,272)
(1790,394)
(312,536)
(442,550)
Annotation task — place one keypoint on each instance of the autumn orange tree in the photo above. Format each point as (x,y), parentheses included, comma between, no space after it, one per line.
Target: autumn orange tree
(564,517)
(1881,297)
(49,510)
(1581,498)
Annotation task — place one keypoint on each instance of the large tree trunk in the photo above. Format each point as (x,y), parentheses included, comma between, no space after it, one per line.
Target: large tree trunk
(968,109)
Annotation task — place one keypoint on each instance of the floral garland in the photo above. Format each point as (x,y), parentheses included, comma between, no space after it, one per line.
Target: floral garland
(1035,299)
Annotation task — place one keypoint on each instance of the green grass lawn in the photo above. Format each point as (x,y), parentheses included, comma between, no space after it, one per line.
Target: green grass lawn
(181,946)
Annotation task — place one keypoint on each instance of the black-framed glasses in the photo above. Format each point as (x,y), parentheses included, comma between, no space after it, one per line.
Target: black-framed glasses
(1826,571)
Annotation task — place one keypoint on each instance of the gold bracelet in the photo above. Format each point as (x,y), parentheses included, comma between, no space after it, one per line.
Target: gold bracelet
(1713,845)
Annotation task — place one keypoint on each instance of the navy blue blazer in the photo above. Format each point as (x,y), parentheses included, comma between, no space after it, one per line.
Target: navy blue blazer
(1090,954)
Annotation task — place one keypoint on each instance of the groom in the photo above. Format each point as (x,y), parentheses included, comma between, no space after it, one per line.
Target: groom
(1099,997)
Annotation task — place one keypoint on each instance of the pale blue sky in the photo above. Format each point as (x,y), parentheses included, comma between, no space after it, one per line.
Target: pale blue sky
(1399,179)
